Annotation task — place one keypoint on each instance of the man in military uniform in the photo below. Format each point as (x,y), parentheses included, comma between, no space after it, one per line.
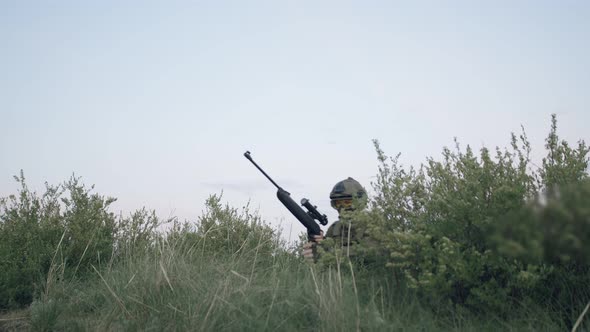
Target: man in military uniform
(347,195)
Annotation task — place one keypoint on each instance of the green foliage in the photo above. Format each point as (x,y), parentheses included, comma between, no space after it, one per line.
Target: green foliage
(488,233)
(474,241)
(89,228)
(563,164)
(61,234)
(179,288)
(137,233)
(26,243)
(224,229)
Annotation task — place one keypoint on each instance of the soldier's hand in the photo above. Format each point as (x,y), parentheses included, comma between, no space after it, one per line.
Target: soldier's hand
(308,251)
(318,238)
(309,247)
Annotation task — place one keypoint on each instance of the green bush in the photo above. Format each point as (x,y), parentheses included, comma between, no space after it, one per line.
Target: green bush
(27,244)
(138,233)
(229,231)
(469,242)
(50,235)
(68,232)
(488,233)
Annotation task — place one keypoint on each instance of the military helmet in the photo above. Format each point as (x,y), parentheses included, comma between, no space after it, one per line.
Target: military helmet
(348,189)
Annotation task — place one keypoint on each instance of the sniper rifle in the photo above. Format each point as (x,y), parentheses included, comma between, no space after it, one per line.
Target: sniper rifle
(308,218)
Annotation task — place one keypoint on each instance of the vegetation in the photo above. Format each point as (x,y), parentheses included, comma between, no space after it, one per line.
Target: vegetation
(470,242)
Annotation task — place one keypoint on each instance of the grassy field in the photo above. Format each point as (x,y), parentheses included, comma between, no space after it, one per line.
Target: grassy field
(474,242)
(180,288)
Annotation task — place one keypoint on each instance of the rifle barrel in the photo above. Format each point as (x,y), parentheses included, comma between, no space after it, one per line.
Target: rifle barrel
(249,157)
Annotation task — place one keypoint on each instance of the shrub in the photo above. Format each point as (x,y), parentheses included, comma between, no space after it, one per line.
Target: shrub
(229,231)
(138,233)
(64,235)
(487,233)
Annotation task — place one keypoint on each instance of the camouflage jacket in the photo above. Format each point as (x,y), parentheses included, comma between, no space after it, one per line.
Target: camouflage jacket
(341,235)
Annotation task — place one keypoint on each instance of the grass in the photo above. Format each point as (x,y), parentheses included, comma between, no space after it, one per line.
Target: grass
(176,288)
(229,271)
(17,320)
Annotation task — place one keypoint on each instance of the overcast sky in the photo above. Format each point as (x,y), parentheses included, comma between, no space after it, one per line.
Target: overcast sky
(156,102)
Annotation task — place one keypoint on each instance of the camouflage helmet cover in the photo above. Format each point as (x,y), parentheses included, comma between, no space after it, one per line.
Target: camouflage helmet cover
(348,189)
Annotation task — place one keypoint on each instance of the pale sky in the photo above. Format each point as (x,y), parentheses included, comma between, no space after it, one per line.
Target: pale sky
(156,102)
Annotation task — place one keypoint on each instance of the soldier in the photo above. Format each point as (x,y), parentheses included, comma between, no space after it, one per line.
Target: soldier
(347,195)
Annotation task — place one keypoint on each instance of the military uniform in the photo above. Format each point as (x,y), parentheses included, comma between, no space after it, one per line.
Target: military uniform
(343,232)
(347,195)
(344,236)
